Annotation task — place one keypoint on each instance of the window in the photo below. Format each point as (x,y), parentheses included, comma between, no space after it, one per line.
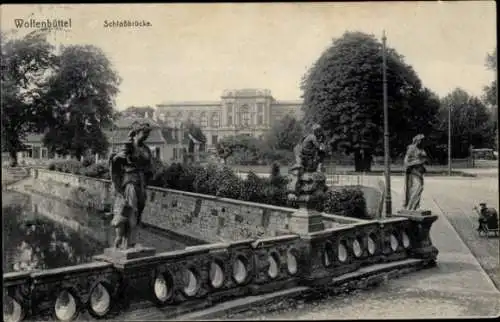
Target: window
(260,113)
(244,116)
(45,153)
(214,139)
(175,153)
(229,114)
(203,120)
(215,120)
(29,151)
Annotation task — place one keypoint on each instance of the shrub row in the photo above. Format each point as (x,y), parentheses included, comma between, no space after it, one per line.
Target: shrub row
(221,181)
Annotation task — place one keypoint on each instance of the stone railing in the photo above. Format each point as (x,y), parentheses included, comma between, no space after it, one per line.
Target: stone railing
(200,276)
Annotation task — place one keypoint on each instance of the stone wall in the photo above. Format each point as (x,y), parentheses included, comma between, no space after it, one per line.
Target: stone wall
(201,216)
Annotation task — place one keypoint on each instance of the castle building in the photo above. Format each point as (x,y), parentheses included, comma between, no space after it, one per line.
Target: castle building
(239,111)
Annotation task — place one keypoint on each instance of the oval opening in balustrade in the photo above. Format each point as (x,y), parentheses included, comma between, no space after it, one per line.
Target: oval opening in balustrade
(394,243)
(291,261)
(356,248)
(405,240)
(12,310)
(342,252)
(216,274)
(328,255)
(65,306)
(100,300)
(240,272)
(163,287)
(191,283)
(274,265)
(371,245)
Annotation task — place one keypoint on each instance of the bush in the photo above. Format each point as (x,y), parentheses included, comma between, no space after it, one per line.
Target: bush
(97,170)
(67,166)
(228,184)
(348,202)
(252,188)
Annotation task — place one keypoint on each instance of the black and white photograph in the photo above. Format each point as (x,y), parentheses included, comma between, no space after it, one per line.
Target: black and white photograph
(249,161)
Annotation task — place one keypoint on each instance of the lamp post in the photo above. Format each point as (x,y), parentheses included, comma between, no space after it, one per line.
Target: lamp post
(449,140)
(388,199)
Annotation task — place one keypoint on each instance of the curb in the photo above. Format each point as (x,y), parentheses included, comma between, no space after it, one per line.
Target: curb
(341,284)
(475,261)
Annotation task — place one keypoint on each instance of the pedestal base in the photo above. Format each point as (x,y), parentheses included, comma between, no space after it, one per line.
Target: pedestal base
(114,255)
(419,212)
(305,221)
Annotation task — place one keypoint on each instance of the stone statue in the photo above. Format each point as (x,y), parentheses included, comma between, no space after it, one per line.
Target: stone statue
(307,186)
(414,167)
(310,152)
(307,172)
(130,171)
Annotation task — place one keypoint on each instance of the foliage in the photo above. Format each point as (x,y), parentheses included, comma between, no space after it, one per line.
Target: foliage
(249,150)
(96,170)
(68,166)
(471,122)
(285,134)
(490,92)
(81,94)
(343,92)
(346,202)
(68,96)
(26,65)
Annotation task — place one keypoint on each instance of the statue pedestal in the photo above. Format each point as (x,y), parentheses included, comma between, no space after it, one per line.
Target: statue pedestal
(420,212)
(310,188)
(113,255)
(305,221)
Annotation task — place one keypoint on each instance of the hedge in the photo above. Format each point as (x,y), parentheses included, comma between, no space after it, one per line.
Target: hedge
(221,181)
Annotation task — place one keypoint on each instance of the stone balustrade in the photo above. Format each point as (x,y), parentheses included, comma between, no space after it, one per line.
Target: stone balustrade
(199,276)
(258,257)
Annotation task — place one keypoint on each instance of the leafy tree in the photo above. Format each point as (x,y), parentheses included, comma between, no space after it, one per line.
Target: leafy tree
(490,92)
(244,149)
(343,92)
(285,133)
(471,122)
(26,64)
(81,94)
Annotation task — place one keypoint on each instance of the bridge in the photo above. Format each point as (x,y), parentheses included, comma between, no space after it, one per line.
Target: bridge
(245,250)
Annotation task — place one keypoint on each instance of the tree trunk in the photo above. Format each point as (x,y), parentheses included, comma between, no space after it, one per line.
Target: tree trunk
(362,161)
(13,158)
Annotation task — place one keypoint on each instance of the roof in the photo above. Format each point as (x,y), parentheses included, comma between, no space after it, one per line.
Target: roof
(127,121)
(120,136)
(188,103)
(33,137)
(246,92)
(294,102)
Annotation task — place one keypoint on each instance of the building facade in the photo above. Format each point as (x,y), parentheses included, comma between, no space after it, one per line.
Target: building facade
(244,111)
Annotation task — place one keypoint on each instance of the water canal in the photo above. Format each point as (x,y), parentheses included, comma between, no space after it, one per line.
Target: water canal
(45,233)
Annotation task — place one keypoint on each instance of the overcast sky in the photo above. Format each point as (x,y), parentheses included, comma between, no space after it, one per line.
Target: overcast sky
(195,51)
